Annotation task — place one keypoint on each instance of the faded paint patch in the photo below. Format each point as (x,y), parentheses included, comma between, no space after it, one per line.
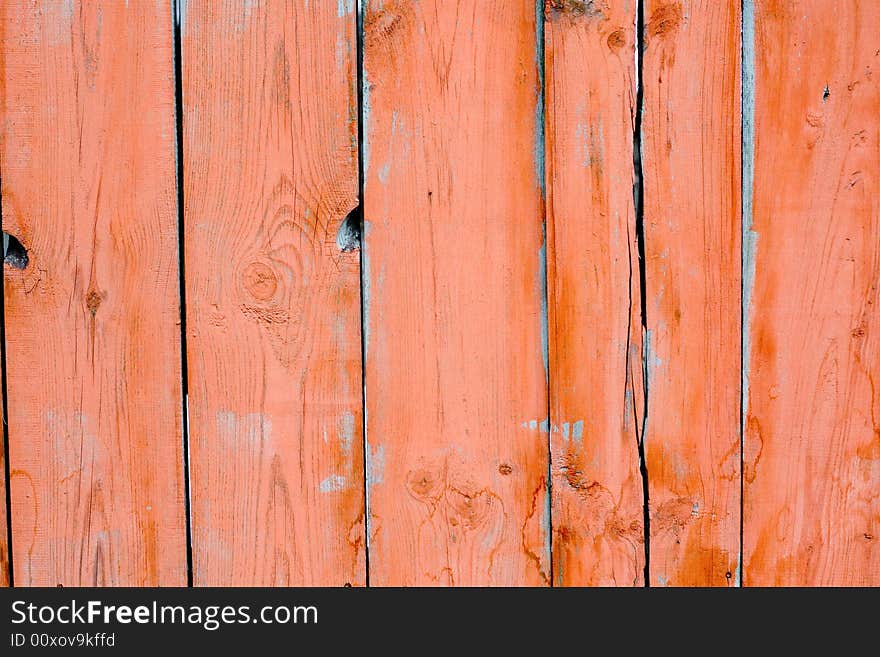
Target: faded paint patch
(376,466)
(679,466)
(250,427)
(383,172)
(67,9)
(343,49)
(653,362)
(346,430)
(69,433)
(366,278)
(332,484)
(344,8)
(366,111)
(591,139)
(58,22)
(545,321)
(567,429)
(397,131)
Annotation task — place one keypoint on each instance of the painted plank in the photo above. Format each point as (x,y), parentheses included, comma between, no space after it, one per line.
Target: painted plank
(456,389)
(273,293)
(594,295)
(92,322)
(812,440)
(691,141)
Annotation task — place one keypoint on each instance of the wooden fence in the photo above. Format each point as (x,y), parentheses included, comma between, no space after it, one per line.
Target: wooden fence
(428,292)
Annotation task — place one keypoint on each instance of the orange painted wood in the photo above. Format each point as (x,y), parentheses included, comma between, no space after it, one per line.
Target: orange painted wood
(812,456)
(454,277)
(594,299)
(691,136)
(273,302)
(92,323)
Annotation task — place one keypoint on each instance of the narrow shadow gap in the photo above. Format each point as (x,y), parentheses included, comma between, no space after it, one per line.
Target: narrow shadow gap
(178,7)
(358,214)
(638,201)
(6,468)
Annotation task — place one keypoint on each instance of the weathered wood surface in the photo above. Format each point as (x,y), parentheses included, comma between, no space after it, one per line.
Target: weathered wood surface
(712,242)
(273,293)
(812,439)
(594,305)
(92,322)
(456,390)
(690,151)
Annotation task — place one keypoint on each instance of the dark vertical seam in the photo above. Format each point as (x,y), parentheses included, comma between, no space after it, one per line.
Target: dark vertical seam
(541,170)
(184,370)
(638,201)
(360,81)
(6,468)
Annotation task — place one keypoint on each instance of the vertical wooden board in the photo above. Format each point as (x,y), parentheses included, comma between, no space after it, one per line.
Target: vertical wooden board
(273,293)
(691,140)
(812,456)
(594,297)
(92,322)
(454,278)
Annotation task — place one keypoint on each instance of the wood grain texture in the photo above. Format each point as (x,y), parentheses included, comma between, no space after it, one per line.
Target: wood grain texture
(273,302)
(92,323)
(594,298)
(691,141)
(455,384)
(812,442)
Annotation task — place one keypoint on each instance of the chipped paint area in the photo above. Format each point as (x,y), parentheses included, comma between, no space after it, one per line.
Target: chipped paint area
(366,278)
(344,8)
(366,111)
(346,431)
(569,430)
(250,427)
(375,465)
(343,50)
(332,484)
(384,171)
(544,319)
(591,139)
